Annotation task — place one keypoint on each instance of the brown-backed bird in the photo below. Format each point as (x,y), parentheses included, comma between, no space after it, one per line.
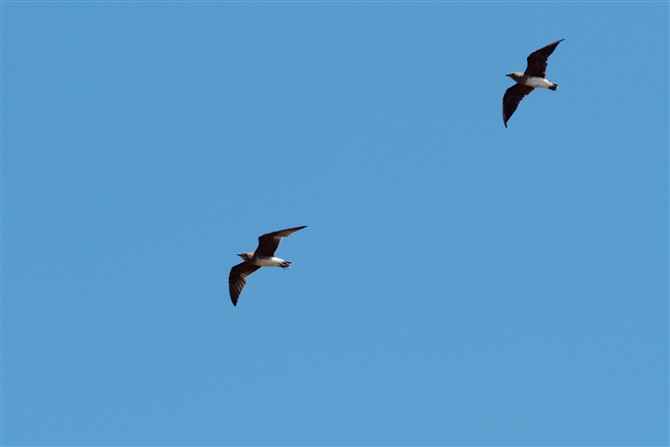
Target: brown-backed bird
(264,256)
(534,77)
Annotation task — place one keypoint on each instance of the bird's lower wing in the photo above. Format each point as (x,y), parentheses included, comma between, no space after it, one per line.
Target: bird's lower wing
(238,279)
(512,98)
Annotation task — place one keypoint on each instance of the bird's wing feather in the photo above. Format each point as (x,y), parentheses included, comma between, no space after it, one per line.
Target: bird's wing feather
(512,98)
(537,61)
(268,243)
(238,279)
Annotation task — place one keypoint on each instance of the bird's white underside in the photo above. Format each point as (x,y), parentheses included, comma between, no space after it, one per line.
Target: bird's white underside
(269,261)
(538,83)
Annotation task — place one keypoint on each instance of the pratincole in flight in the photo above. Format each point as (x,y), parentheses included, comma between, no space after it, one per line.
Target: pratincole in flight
(534,77)
(264,256)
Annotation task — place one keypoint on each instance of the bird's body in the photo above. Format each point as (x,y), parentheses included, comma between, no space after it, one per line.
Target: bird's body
(532,81)
(534,77)
(266,261)
(262,257)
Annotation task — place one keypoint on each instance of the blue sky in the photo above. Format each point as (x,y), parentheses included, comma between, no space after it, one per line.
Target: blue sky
(459,283)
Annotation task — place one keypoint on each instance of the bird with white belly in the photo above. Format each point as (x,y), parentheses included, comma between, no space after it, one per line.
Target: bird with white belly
(534,77)
(264,256)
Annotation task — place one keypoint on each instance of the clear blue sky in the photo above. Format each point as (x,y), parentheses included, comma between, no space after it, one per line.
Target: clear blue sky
(459,283)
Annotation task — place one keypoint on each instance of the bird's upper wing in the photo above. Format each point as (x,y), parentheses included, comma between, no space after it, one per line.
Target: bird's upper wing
(268,243)
(512,98)
(238,279)
(537,61)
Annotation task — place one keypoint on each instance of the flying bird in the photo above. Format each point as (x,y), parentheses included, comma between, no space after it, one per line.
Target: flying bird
(264,256)
(534,77)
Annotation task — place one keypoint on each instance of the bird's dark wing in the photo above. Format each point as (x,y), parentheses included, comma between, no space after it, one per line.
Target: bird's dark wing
(537,61)
(512,98)
(268,243)
(238,279)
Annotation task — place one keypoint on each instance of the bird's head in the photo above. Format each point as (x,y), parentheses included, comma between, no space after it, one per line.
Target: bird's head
(246,255)
(515,75)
